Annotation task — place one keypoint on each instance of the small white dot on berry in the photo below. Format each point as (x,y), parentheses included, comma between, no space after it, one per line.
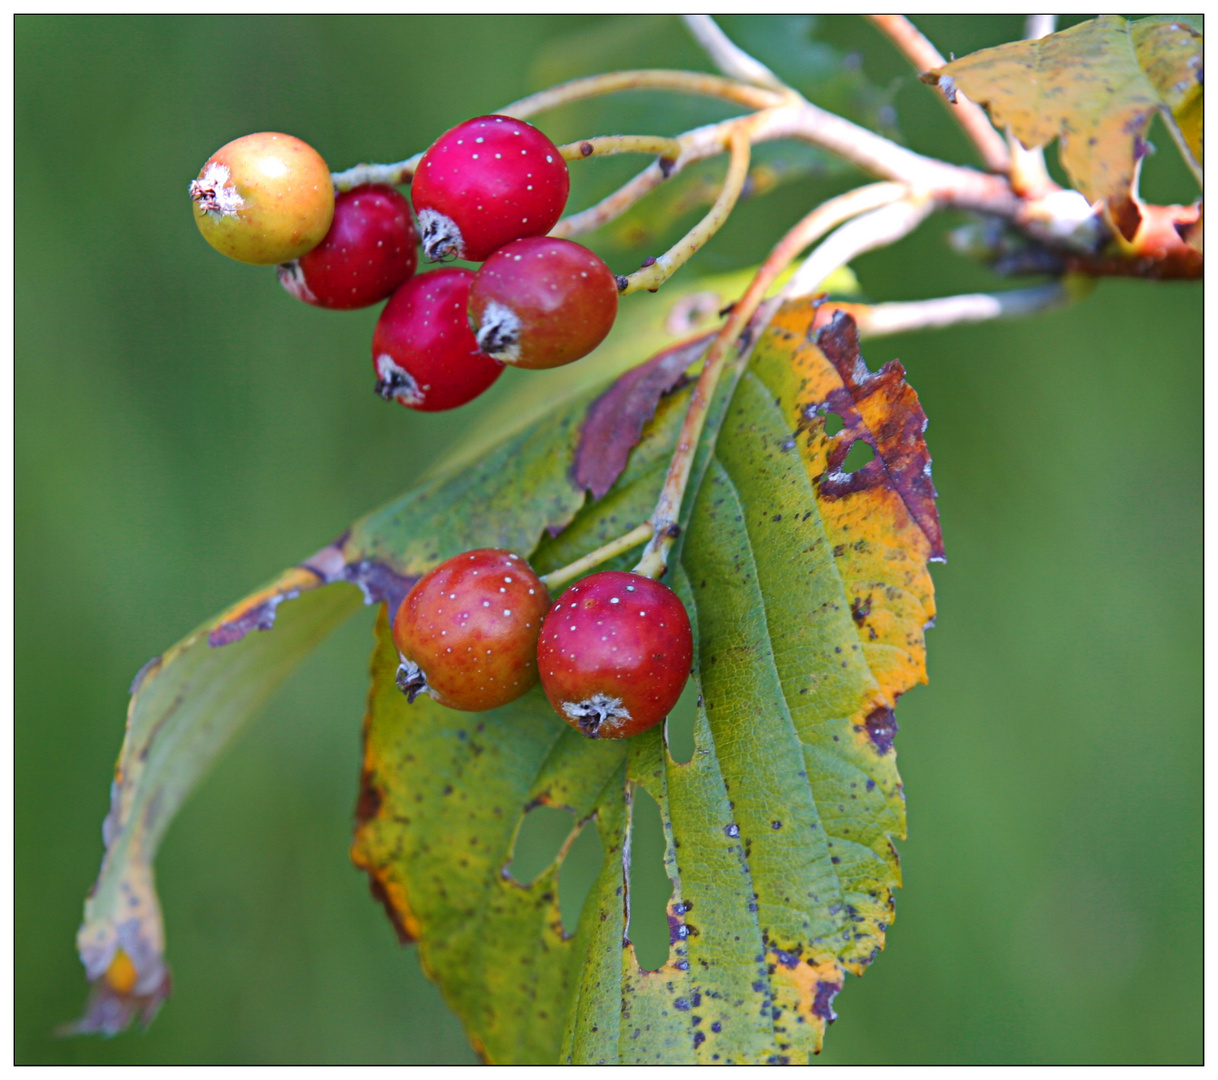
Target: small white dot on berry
(615,600)
(507,611)
(630,588)
(486,603)
(549,158)
(531,592)
(478,139)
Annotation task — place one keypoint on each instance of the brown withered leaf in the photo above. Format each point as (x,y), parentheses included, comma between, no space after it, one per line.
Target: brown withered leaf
(617,418)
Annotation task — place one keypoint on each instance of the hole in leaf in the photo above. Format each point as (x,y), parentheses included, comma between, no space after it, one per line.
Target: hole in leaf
(541,837)
(833,423)
(578,874)
(1165,176)
(857,456)
(650,889)
(679,729)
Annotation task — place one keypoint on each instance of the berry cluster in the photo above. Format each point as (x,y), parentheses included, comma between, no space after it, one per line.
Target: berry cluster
(487,191)
(612,655)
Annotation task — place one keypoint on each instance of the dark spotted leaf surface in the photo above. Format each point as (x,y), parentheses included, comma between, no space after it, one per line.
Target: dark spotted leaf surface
(1097,86)
(809,592)
(808,589)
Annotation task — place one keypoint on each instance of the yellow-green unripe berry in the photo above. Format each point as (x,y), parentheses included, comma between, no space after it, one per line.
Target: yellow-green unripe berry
(264,199)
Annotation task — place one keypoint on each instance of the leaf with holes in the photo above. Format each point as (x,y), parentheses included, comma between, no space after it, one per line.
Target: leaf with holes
(806,581)
(1097,86)
(808,588)
(188,703)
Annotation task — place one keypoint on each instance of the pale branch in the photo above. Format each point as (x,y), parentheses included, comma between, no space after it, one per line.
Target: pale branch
(951,185)
(971,117)
(689,82)
(876,320)
(728,57)
(1029,175)
(879,228)
(399,172)
(652,275)
(614,205)
(668,507)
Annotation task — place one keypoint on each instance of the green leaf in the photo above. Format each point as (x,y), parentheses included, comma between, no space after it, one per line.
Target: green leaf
(809,593)
(1097,86)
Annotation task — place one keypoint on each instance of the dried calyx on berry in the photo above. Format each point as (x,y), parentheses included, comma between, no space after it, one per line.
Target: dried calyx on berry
(542,302)
(485,183)
(263,199)
(467,632)
(614,654)
(368,252)
(423,350)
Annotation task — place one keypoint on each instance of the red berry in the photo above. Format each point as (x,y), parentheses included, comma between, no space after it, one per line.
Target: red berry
(615,653)
(423,350)
(467,632)
(368,252)
(486,183)
(542,302)
(263,198)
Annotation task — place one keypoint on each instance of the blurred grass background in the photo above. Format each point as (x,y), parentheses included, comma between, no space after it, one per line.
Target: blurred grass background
(185,429)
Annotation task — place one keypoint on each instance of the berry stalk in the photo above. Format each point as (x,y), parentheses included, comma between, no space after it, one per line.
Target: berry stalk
(658,271)
(558,578)
(662,146)
(665,529)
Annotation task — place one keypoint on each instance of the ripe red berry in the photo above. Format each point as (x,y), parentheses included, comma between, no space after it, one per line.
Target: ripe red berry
(368,252)
(423,350)
(614,654)
(485,183)
(467,632)
(542,302)
(263,199)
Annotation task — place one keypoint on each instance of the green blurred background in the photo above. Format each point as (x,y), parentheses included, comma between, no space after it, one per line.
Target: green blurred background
(185,429)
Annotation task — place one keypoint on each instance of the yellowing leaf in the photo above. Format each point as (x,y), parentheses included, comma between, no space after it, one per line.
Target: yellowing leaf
(809,592)
(1097,86)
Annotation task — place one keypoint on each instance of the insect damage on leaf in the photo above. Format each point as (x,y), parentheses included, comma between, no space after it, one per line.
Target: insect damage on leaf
(1097,86)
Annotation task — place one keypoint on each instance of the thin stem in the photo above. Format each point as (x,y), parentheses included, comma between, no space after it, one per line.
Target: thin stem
(660,145)
(653,275)
(728,57)
(924,56)
(689,82)
(1029,174)
(399,172)
(879,228)
(876,320)
(612,206)
(558,578)
(668,507)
